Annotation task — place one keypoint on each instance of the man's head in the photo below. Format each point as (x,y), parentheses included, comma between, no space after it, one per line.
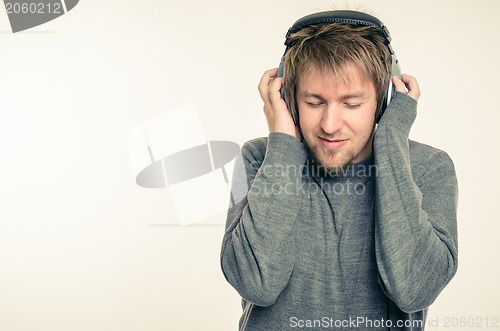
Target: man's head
(337,74)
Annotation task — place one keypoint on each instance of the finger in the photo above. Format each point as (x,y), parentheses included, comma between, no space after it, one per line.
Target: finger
(273,72)
(398,84)
(274,90)
(267,76)
(412,85)
(264,84)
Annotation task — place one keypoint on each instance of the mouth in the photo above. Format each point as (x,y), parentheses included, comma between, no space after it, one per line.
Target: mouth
(333,144)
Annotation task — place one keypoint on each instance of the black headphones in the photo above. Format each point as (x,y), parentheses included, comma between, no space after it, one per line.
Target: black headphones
(346,16)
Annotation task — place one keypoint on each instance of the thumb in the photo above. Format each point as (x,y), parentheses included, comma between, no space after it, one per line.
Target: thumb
(398,84)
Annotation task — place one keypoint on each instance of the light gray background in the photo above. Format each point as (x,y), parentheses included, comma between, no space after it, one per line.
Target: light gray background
(77,249)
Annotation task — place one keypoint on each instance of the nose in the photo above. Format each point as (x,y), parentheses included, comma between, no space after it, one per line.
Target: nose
(332,119)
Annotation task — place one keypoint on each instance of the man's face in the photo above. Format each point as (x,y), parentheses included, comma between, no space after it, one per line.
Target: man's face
(337,118)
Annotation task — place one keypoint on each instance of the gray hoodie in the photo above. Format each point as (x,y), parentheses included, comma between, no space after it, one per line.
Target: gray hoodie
(367,249)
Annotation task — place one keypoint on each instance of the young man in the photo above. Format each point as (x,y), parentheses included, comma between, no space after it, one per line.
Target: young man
(342,223)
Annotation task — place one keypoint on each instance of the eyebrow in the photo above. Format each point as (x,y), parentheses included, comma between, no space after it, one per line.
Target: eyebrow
(307,94)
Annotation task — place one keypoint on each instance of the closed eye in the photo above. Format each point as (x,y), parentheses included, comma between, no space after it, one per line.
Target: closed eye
(352,106)
(314,104)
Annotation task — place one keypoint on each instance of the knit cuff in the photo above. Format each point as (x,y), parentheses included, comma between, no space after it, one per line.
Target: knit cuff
(283,148)
(400,113)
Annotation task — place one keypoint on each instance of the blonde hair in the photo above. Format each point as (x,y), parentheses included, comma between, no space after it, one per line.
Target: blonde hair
(331,48)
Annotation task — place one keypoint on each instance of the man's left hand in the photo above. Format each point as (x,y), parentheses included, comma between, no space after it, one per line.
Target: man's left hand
(408,85)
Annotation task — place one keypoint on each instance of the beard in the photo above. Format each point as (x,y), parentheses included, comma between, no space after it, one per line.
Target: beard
(335,161)
(326,158)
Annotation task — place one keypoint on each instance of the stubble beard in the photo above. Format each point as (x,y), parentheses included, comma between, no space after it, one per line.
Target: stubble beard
(321,155)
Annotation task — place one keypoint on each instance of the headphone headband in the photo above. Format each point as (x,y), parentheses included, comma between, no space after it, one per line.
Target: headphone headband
(341,16)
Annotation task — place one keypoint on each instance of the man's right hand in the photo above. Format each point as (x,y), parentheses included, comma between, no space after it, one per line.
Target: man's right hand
(278,117)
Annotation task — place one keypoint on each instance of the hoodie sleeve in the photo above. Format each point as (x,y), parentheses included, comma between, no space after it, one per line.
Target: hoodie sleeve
(416,227)
(257,254)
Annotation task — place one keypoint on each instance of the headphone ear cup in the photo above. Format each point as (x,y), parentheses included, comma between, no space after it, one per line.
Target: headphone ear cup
(391,89)
(281,69)
(385,102)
